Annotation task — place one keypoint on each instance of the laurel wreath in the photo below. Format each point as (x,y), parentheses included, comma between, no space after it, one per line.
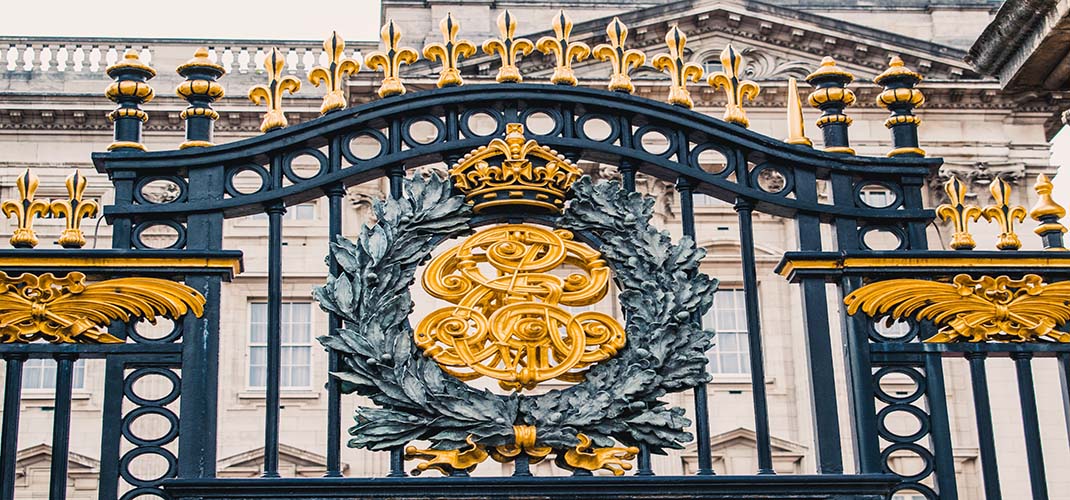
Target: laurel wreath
(662,292)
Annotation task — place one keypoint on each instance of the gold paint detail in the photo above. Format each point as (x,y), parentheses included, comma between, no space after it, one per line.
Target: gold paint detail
(24,209)
(40,261)
(126,145)
(679,71)
(1047,210)
(828,67)
(906,151)
(67,310)
(735,89)
(514,326)
(972,310)
(450,52)
(901,119)
(831,94)
(613,459)
(196,144)
(130,60)
(621,60)
(129,88)
(391,59)
(962,260)
(200,86)
(525,442)
(209,112)
(796,121)
(840,150)
(73,210)
(1004,214)
(959,214)
(333,76)
(541,185)
(508,48)
(447,461)
(827,119)
(896,67)
(563,50)
(200,60)
(128,113)
(271,94)
(910,96)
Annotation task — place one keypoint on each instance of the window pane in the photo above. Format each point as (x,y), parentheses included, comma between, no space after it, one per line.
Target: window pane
(295,337)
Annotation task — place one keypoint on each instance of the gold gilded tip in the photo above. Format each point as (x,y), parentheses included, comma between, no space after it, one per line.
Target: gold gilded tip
(897,68)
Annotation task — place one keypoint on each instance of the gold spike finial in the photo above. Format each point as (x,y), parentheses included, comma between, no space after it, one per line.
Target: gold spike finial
(1004,214)
(736,90)
(679,70)
(959,213)
(796,122)
(334,74)
(564,51)
(1047,212)
(271,94)
(508,48)
(391,59)
(621,60)
(24,209)
(74,209)
(450,52)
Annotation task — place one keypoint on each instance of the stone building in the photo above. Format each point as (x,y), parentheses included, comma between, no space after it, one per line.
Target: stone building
(52,116)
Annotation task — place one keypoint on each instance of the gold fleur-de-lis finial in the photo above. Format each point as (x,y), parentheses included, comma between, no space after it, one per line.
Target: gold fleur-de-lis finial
(271,94)
(334,74)
(24,209)
(450,52)
(564,51)
(391,59)
(508,48)
(959,213)
(735,89)
(796,122)
(678,70)
(1004,214)
(74,209)
(622,60)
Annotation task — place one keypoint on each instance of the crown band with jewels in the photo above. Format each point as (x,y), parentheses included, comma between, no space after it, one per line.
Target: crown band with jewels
(514,171)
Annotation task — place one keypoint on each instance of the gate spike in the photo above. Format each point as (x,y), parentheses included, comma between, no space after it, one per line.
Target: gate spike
(621,60)
(271,94)
(508,48)
(832,97)
(735,89)
(563,49)
(391,59)
(450,52)
(679,70)
(796,122)
(334,74)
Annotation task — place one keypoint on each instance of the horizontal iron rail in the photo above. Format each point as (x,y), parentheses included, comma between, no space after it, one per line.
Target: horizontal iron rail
(922,263)
(893,352)
(42,350)
(113,263)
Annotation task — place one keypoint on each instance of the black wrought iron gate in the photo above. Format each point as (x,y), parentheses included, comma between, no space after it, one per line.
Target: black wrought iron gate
(958,303)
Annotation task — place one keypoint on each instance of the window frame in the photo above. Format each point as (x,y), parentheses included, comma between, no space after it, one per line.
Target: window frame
(78,375)
(740,334)
(249,345)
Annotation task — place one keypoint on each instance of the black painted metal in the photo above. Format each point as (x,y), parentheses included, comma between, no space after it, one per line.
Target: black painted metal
(982,409)
(61,427)
(334,395)
(274,342)
(1034,453)
(940,428)
(9,434)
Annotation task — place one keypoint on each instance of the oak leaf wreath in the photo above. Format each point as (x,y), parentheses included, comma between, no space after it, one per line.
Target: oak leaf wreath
(662,293)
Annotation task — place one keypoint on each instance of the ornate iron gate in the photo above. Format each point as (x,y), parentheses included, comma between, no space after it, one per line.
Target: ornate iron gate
(966,302)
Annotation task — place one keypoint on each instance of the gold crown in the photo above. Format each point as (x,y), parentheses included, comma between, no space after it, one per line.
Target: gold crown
(514,171)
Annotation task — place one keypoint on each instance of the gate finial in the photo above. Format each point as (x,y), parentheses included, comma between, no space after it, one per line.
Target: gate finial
(24,209)
(735,89)
(1048,213)
(832,96)
(621,60)
(129,91)
(271,94)
(508,48)
(796,122)
(74,209)
(679,70)
(564,51)
(959,213)
(200,90)
(1004,214)
(334,74)
(391,60)
(900,97)
(450,52)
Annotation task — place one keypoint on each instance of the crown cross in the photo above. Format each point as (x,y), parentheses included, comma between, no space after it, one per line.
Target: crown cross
(508,48)
(390,61)
(24,210)
(679,70)
(563,50)
(271,94)
(332,75)
(621,60)
(450,52)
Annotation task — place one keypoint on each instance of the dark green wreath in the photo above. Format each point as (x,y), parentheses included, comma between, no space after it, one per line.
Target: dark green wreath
(662,291)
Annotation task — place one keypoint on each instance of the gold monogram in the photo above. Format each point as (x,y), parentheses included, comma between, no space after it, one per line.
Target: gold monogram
(512,327)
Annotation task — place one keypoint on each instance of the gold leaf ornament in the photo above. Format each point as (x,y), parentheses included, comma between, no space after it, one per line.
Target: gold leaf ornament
(271,94)
(563,50)
(24,209)
(736,89)
(959,214)
(1004,214)
(334,75)
(73,210)
(390,60)
(450,52)
(614,459)
(508,49)
(679,71)
(622,61)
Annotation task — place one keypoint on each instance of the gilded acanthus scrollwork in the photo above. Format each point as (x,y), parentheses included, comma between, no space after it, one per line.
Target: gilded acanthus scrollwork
(66,310)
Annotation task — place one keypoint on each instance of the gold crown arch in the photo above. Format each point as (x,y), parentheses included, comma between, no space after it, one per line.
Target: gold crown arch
(512,285)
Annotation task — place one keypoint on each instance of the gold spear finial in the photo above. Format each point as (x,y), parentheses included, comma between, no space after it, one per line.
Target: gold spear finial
(564,51)
(796,122)
(508,48)
(959,214)
(450,52)
(621,60)
(74,209)
(24,209)
(735,89)
(680,71)
(334,74)
(1004,214)
(271,94)
(390,61)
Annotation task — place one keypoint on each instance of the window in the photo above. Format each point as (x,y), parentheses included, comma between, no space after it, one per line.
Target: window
(40,374)
(728,318)
(710,66)
(877,198)
(295,364)
(908,496)
(304,211)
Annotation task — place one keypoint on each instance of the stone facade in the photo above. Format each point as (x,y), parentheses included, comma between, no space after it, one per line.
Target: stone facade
(51,120)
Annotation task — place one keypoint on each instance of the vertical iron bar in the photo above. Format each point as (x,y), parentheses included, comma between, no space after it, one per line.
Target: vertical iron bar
(940,427)
(274,341)
(982,409)
(1064,383)
(860,395)
(61,426)
(397,456)
(744,209)
(702,411)
(108,485)
(334,322)
(627,175)
(10,432)
(1034,452)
